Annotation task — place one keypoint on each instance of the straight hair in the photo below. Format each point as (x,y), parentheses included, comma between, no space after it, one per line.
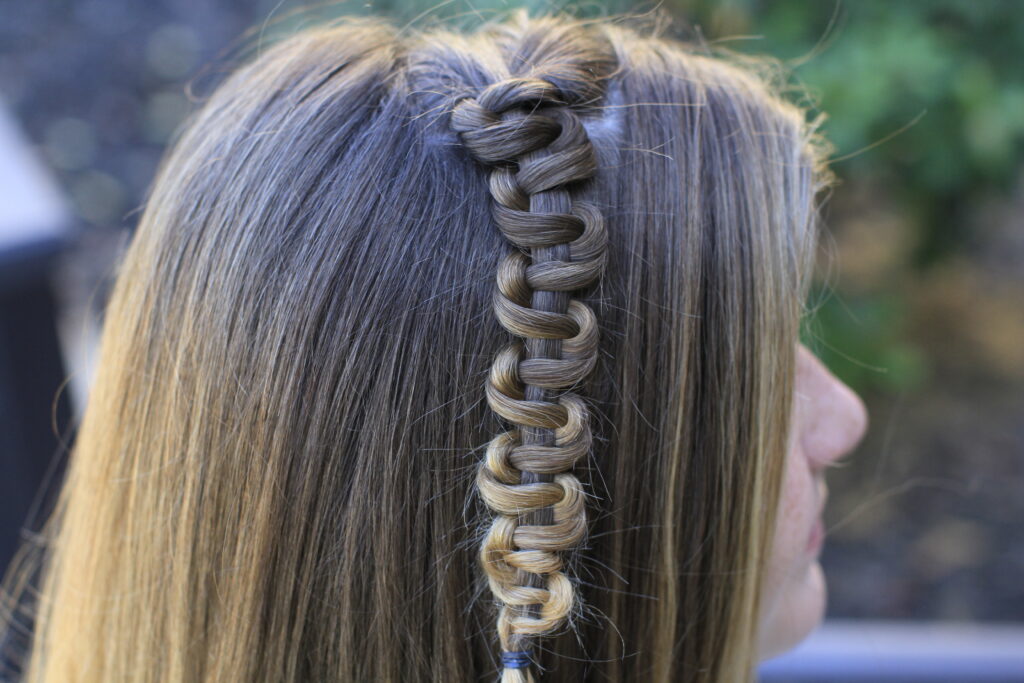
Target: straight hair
(304,363)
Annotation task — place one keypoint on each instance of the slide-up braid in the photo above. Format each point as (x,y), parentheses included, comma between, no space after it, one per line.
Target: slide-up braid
(528,130)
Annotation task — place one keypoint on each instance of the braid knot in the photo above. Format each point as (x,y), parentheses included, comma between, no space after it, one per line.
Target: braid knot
(525,128)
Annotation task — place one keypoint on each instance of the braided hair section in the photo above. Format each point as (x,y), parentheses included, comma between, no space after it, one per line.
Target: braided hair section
(527,130)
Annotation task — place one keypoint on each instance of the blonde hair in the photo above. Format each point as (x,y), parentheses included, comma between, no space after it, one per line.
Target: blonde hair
(274,478)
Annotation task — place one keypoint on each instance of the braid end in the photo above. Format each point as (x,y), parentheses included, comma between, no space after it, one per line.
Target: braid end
(510,675)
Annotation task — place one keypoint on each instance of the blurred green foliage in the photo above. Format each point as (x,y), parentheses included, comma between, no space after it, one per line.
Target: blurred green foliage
(943,78)
(925,104)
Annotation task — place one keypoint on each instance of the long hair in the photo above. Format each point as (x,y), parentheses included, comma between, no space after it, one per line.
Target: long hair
(440,354)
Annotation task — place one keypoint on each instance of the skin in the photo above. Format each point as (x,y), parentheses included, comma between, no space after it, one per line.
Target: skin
(829,419)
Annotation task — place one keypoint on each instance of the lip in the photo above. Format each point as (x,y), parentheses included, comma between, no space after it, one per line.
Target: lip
(816,538)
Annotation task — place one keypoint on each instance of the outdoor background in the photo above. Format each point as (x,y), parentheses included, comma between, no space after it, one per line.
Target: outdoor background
(921,302)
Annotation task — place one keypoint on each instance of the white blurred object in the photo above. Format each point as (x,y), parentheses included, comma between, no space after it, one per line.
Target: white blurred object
(32,209)
(922,652)
(36,224)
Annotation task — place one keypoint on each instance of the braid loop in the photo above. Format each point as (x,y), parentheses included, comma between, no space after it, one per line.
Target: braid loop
(526,129)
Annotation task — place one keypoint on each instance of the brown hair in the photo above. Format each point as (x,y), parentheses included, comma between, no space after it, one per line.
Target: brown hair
(275,476)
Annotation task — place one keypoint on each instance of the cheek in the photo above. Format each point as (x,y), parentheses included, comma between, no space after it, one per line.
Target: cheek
(797,508)
(796,516)
(794,588)
(798,502)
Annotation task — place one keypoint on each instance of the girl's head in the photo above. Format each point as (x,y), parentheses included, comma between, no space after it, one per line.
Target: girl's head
(434,346)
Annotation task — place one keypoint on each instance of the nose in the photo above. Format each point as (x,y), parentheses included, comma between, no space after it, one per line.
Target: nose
(834,416)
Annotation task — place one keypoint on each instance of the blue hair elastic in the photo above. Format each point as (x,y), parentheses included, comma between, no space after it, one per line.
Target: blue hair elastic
(515,660)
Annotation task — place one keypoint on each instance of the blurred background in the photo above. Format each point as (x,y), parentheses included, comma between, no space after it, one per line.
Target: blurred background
(920,304)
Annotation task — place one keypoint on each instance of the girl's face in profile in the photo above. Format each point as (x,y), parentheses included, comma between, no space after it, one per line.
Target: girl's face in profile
(828,421)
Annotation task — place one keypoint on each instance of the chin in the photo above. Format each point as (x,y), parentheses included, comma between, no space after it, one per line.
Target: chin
(793,612)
